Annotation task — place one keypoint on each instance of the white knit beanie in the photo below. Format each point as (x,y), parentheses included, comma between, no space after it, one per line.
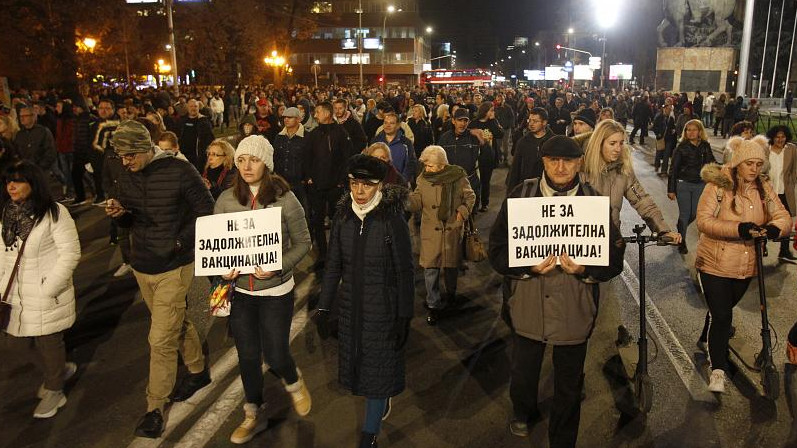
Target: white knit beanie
(257,146)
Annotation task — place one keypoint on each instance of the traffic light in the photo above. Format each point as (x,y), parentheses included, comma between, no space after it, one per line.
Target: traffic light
(381,80)
(558,47)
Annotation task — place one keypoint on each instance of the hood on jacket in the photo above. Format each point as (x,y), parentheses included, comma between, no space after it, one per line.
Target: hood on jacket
(394,201)
(248,118)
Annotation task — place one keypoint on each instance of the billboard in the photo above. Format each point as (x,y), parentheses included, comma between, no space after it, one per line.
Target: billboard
(534,75)
(555,73)
(348,44)
(372,43)
(620,71)
(582,73)
(139,2)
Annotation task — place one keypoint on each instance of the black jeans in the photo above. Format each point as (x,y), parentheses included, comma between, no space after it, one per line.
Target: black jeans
(784,245)
(643,131)
(261,327)
(322,204)
(568,365)
(722,294)
(485,174)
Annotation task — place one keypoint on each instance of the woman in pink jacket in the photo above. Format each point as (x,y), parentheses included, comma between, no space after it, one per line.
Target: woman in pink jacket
(736,205)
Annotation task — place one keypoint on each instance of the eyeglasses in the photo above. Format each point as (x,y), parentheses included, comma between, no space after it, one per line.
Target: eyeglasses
(16,180)
(129,157)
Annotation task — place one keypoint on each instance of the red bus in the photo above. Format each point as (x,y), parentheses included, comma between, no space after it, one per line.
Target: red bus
(470,76)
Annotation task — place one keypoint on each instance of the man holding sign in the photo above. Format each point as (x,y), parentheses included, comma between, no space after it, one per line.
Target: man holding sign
(553,250)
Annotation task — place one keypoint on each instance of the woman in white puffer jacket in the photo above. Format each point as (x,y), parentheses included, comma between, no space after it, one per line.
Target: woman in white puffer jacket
(41,295)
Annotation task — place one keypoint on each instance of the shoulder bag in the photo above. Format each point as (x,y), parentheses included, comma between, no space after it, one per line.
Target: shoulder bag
(5,304)
(474,246)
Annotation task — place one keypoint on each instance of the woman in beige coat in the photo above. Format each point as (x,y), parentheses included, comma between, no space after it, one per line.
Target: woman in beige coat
(783,174)
(445,199)
(736,206)
(608,166)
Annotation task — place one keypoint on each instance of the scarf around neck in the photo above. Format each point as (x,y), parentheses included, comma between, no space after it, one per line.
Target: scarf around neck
(18,221)
(448,178)
(362,210)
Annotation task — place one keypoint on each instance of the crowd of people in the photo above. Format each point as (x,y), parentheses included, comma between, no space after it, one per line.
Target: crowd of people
(353,170)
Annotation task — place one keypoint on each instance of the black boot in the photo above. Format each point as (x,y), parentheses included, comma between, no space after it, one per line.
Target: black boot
(190,384)
(151,425)
(368,440)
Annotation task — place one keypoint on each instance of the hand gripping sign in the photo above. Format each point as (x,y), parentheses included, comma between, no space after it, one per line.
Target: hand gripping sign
(576,225)
(239,241)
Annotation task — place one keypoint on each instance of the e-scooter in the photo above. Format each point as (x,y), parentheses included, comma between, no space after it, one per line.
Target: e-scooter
(744,353)
(634,360)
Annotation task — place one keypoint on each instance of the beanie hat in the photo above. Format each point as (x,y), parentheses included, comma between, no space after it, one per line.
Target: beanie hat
(742,149)
(131,137)
(587,116)
(257,146)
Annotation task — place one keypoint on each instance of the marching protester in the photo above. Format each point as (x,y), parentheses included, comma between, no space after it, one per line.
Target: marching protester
(492,133)
(737,205)
(527,163)
(262,304)
(463,148)
(370,262)
(290,152)
(41,253)
(382,152)
(159,199)
(685,184)
(783,175)
(445,199)
(551,303)
(220,170)
(608,166)
(401,148)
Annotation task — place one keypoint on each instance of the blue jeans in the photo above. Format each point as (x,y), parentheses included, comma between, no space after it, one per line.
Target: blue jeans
(63,170)
(432,278)
(476,185)
(261,327)
(374,410)
(688,194)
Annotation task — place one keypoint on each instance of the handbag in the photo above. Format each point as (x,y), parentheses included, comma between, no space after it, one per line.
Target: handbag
(220,297)
(474,246)
(5,305)
(660,144)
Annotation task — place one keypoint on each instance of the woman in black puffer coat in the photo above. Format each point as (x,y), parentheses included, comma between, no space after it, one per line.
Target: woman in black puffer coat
(370,258)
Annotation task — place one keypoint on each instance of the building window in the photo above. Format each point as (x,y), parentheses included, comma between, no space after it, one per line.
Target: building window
(321,8)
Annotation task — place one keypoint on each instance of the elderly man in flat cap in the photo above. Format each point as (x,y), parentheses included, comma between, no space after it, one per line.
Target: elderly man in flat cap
(159,198)
(550,304)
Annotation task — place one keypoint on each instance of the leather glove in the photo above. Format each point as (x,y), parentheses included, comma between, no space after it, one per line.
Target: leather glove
(773,231)
(321,320)
(745,228)
(401,331)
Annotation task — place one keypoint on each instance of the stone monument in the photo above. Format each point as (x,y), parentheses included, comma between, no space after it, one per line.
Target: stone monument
(698,45)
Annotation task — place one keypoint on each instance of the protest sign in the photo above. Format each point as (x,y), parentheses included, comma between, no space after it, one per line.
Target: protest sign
(576,225)
(239,241)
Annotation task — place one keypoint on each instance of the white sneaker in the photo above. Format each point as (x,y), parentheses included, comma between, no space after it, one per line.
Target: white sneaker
(123,270)
(50,403)
(70,369)
(717,381)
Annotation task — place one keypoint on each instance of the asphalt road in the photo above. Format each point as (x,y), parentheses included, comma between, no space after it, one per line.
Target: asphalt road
(457,373)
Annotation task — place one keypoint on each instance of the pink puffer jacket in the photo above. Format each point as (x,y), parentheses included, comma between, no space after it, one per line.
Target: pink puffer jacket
(720,250)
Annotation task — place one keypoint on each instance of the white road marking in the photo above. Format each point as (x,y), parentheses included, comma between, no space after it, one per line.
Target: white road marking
(669,343)
(231,399)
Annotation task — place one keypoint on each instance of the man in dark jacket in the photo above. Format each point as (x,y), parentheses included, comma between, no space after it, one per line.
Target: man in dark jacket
(289,154)
(196,134)
(34,142)
(463,147)
(84,153)
(664,128)
(528,161)
(102,132)
(160,199)
(550,304)
(345,118)
(328,149)
(641,115)
(559,117)
(506,118)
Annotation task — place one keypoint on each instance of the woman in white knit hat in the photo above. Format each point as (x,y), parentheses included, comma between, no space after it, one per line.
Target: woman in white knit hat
(737,205)
(262,305)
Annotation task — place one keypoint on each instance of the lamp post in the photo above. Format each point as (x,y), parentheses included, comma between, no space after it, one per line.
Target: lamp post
(606,13)
(390,9)
(169,4)
(315,69)
(359,45)
(277,62)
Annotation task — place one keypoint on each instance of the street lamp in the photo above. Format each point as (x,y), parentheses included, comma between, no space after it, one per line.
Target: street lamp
(390,9)
(277,62)
(315,68)
(606,14)
(429,30)
(90,43)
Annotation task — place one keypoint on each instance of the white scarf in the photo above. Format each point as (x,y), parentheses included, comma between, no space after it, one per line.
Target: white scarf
(362,210)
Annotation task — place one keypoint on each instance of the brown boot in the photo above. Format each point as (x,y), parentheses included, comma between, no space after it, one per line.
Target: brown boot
(299,395)
(254,422)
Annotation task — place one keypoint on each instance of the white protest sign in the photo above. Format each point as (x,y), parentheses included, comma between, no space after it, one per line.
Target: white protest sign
(239,241)
(577,225)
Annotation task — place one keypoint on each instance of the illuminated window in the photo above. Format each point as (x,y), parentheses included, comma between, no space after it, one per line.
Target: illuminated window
(321,8)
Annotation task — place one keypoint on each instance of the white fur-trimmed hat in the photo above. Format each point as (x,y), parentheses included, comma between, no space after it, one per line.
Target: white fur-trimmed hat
(257,146)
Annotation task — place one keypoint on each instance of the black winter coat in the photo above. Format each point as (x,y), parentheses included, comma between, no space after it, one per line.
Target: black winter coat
(163,200)
(527,163)
(356,133)
(372,262)
(289,155)
(687,161)
(327,152)
(463,150)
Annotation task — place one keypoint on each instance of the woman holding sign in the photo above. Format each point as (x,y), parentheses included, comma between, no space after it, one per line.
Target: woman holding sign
(370,260)
(610,171)
(445,199)
(262,306)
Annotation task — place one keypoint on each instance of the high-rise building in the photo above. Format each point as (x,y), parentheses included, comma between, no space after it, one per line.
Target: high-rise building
(393,49)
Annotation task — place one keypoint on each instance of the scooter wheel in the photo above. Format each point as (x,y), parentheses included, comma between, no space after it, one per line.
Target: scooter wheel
(644,390)
(771,382)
